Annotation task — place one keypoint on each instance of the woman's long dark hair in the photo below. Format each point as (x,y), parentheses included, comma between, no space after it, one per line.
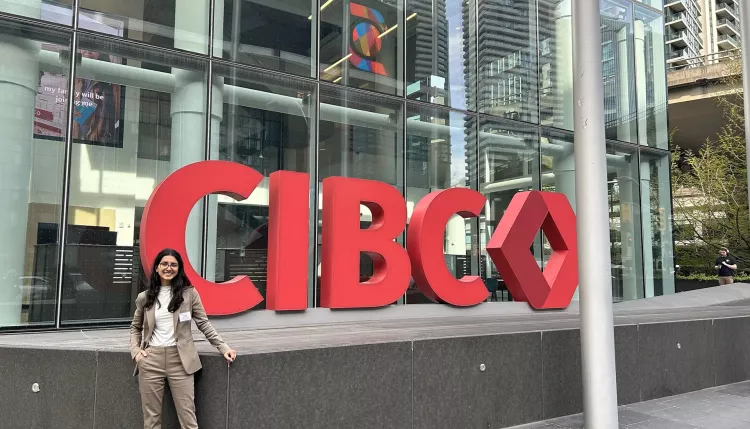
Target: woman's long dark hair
(179,283)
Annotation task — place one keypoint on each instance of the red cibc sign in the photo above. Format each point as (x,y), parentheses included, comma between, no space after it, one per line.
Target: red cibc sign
(166,215)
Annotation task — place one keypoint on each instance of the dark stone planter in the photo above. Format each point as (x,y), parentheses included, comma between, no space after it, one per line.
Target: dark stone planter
(687,285)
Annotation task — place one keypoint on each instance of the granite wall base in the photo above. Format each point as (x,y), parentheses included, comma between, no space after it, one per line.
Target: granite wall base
(470,382)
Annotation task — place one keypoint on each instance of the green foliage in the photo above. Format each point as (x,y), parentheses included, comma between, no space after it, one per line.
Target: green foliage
(710,194)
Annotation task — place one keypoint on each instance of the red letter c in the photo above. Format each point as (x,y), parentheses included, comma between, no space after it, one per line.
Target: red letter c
(165,217)
(424,240)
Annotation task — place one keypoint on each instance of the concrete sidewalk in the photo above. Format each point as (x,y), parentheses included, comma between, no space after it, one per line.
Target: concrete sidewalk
(724,407)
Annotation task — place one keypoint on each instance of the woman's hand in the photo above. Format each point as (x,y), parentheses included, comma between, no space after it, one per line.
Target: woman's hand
(141,354)
(230,356)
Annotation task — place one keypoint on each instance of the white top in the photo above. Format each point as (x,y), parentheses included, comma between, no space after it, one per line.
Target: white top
(163,335)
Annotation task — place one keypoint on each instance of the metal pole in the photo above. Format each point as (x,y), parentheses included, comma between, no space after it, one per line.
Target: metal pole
(745,33)
(595,283)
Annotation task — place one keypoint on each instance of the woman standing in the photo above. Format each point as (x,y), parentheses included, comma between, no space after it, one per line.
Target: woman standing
(161,341)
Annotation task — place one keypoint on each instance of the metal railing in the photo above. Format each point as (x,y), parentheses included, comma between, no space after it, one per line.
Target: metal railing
(728,23)
(732,7)
(703,60)
(729,37)
(676,16)
(672,34)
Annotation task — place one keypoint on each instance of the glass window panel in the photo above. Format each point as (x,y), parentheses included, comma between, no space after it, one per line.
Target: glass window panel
(623,195)
(623,198)
(132,133)
(557,171)
(361,44)
(656,4)
(33,125)
(361,135)
(556,64)
(57,11)
(440,146)
(618,70)
(167,23)
(507,37)
(267,123)
(650,78)
(441,52)
(277,35)
(656,209)
(508,163)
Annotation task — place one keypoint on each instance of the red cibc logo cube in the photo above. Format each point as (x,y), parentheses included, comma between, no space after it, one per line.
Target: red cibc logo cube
(509,249)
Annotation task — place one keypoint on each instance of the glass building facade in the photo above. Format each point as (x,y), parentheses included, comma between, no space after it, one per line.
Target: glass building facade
(421,94)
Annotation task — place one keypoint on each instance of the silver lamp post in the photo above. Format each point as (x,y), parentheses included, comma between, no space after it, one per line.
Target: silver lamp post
(744,26)
(595,283)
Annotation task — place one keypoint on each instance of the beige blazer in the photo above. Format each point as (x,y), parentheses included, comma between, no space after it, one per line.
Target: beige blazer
(142,328)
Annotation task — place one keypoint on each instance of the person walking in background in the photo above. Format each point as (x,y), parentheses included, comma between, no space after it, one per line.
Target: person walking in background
(726,265)
(161,340)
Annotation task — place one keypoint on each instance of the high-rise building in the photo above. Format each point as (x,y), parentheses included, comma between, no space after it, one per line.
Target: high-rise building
(700,31)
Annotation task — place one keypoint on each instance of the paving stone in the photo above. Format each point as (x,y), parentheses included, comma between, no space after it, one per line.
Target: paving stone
(715,422)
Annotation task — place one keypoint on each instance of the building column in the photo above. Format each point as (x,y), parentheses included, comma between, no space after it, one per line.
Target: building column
(188,109)
(660,265)
(18,84)
(624,130)
(19,79)
(641,80)
(629,241)
(648,241)
(563,117)
(665,230)
(564,168)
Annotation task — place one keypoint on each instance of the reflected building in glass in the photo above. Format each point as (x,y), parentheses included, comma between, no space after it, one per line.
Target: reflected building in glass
(421,94)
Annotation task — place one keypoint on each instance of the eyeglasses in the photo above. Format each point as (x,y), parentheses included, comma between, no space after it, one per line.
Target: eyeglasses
(167,264)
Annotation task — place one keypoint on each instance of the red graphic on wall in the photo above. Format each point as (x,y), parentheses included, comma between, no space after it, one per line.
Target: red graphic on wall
(510,244)
(166,214)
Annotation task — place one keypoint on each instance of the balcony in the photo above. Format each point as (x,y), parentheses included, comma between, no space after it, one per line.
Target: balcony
(676,39)
(676,5)
(727,10)
(728,41)
(677,21)
(678,57)
(726,26)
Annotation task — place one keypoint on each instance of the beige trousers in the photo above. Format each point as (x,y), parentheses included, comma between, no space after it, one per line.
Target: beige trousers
(163,363)
(726,280)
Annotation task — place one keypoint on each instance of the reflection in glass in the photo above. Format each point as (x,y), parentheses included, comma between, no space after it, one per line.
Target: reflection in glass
(276,35)
(656,4)
(557,171)
(624,222)
(34,84)
(650,72)
(267,124)
(618,71)
(508,163)
(437,142)
(556,64)
(656,210)
(441,52)
(162,121)
(57,11)
(507,54)
(167,23)
(361,136)
(361,44)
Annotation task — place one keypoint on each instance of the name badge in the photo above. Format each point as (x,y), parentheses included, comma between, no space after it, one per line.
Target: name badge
(185,317)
